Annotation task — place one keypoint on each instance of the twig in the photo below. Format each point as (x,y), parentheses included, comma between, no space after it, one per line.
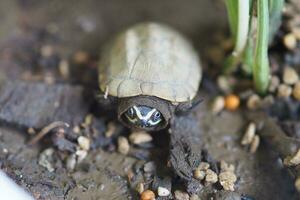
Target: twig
(46,130)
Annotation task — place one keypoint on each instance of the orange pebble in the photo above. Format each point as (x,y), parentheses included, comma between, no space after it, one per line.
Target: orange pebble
(147,195)
(232,102)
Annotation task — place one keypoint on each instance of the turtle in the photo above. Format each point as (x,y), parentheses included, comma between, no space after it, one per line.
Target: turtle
(153,72)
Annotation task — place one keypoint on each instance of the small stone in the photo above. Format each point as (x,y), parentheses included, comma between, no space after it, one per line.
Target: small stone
(253,102)
(139,137)
(290,41)
(296,91)
(224,84)
(284,90)
(274,83)
(123,145)
(81,57)
(149,167)
(297,184)
(203,166)
(292,160)
(148,195)
(226,167)
(290,76)
(227,180)
(194,197)
(71,162)
(88,120)
(31,131)
(296,32)
(218,104)
(140,188)
(84,142)
(254,144)
(47,51)
(199,174)
(211,176)
(46,159)
(267,101)
(76,129)
(111,129)
(81,154)
(179,195)
(64,68)
(249,134)
(163,192)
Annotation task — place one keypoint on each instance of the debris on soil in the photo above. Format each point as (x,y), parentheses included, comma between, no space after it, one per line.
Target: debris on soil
(139,137)
(254,144)
(232,102)
(218,104)
(211,176)
(292,160)
(123,145)
(46,159)
(284,90)
(163,192)
(46,130)
(180,195)
(290,76)
(249,134)
(227,179)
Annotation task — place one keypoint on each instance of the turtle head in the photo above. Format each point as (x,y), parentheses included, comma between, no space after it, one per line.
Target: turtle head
(144,117)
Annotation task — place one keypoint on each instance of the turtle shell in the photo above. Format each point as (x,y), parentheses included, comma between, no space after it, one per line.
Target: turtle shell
(150,59)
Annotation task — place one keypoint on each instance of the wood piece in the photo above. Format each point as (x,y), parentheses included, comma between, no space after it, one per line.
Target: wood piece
(35,105)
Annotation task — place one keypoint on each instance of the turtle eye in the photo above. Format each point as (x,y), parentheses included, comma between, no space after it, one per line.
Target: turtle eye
(156,116)
(130,112)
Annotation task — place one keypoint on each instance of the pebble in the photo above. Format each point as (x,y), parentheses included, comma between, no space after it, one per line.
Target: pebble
(290,41)
(80,57)
(46,158)
(180,195)
(149,166)
(290,76)
(254,144)
(203,166)
(297,184)
(64,68)
(253,102)
(84,142)
(88,120)
(31,131)
(292,160)
(218,104)
(227,180)
(140,137)
(224,84)
(199,174)
(111,129)
(194,197)
(163,192)
(71,162)
(81,154)
(296,32)
(226,167)
(211,176)
(284,90)
(76,129)
(123,145)
(47,51)
(249,134)
(296,91)
(274,83)
(140,188)
(148,195)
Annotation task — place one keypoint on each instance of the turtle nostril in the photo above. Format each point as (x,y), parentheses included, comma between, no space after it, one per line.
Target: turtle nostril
(143,123)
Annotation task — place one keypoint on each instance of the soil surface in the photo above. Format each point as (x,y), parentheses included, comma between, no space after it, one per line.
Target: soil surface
(36,36)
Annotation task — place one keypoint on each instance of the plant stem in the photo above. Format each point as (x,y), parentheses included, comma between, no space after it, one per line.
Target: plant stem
(261,62)
(242,19)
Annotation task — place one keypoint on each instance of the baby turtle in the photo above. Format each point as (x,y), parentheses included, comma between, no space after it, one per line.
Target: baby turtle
(153,72)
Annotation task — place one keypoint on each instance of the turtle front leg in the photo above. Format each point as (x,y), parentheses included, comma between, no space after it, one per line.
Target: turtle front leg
(186,150)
